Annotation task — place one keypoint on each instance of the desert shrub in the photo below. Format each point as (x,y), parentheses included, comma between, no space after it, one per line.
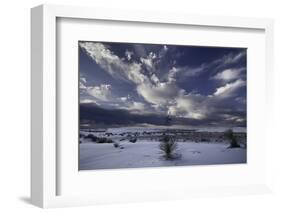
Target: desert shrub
(92,137)
(133,140)
(234,143)
(104,140)
(109,140)
(168,145)
(232,138)
(116,145)
(205,140)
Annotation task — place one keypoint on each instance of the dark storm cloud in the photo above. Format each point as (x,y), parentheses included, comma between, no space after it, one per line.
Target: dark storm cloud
(144,82)
(96,116)
(99,116)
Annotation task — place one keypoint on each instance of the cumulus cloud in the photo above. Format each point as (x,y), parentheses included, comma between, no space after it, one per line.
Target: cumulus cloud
(229,89)
(160,94)
(149,87)
(138,106)
(192,71)
(184,72)
(113,64)
(83,80)
(134,107)
(82,85)
(171,76)
(233,58)
(88,101)
(102,92)
(189,106)
(200,107)
(229,59)
(228,74)
(163,51)
(163,94)
(124,98)
(128,55)
(148,61)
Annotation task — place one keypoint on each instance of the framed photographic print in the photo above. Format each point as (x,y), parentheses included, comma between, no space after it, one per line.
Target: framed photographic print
(149,106)
(152,105)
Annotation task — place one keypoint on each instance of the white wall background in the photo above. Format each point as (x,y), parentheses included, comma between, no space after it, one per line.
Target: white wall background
(15,103)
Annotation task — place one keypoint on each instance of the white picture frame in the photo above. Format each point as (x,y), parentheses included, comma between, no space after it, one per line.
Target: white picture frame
(44,149)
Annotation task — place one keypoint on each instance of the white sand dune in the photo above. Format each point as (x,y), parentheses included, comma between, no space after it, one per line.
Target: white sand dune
(147,154)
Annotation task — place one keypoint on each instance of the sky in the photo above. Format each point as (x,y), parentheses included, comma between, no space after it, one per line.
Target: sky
(141,84)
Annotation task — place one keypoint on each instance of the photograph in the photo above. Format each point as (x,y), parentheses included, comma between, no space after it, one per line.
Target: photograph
(161,105)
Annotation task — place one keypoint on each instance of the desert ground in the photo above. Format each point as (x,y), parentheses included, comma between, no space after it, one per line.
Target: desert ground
(138,147)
